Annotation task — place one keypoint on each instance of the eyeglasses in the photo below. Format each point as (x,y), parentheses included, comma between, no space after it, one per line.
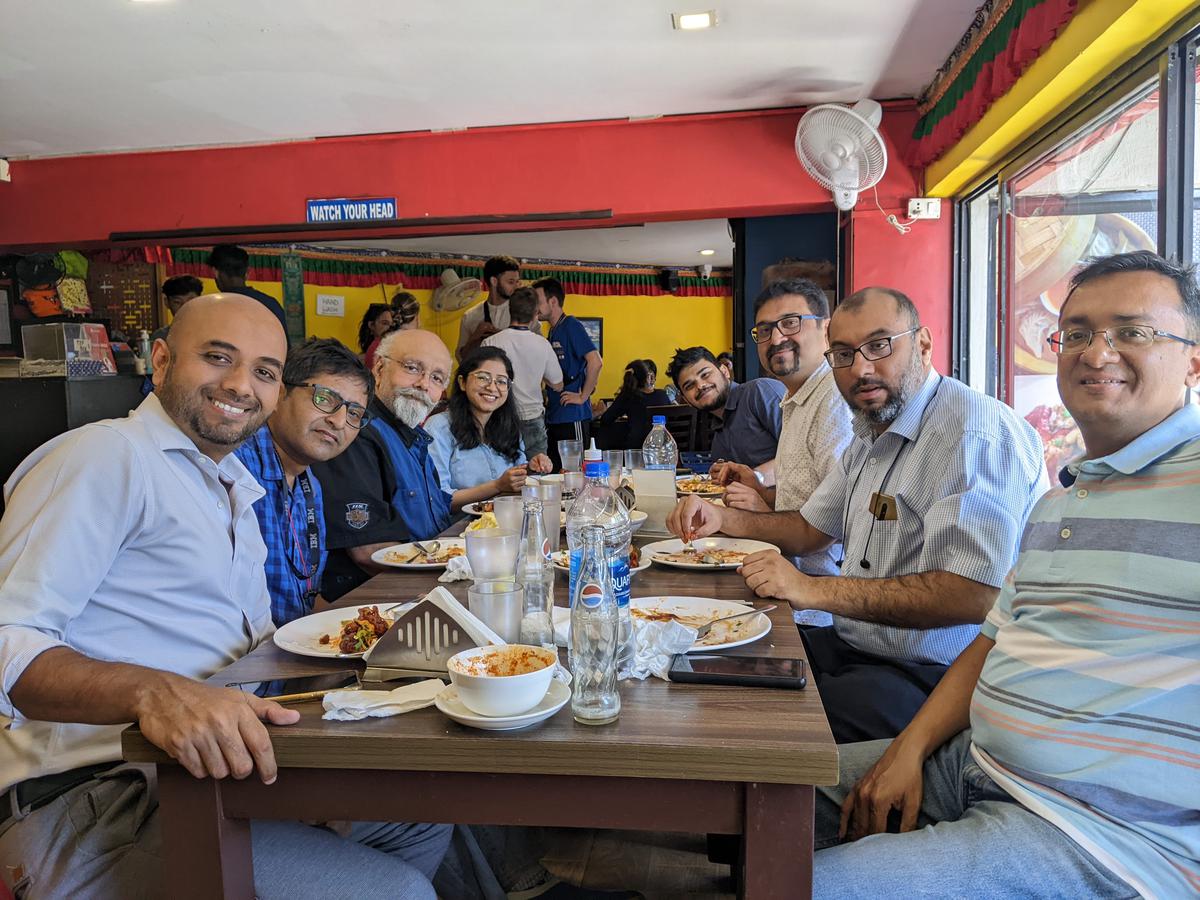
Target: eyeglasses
(761,332)
(486,378)
(418,371)
(1126,337)
(327,400)
(879,348)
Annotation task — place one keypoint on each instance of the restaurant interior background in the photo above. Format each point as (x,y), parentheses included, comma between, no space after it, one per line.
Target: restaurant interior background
(1090,148)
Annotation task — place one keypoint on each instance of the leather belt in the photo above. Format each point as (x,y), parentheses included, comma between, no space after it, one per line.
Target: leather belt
(34,793)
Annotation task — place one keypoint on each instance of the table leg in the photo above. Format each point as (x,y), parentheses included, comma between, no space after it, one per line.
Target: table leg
(777,842)
(205,855)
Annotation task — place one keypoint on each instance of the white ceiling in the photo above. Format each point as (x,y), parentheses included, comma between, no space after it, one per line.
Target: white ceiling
(654,244)
(80,76)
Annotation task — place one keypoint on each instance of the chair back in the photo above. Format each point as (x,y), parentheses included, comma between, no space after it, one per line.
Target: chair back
(681,423)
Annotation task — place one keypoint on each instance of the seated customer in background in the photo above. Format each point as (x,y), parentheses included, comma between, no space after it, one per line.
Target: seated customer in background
(477,445)
(1062,746)
(384,488)
(633,402)
(167,588)
(406,311)
(176,293)
(749,416)
(321,409)
(376,322)
(928,503)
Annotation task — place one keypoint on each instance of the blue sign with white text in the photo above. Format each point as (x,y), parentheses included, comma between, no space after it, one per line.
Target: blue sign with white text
(345,209)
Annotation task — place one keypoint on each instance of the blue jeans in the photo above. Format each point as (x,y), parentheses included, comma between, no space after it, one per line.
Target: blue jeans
(972,840)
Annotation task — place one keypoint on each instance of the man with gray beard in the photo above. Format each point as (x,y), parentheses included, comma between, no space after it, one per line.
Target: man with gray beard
(928,502)
(384,488)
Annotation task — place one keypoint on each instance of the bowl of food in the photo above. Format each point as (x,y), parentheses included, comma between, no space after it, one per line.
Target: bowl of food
(502,681)
(637,519)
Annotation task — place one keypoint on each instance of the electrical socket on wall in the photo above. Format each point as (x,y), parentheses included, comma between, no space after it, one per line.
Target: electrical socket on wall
(925,208)
(5,173)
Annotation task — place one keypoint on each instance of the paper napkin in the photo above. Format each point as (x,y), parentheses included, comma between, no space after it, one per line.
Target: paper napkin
(350,706)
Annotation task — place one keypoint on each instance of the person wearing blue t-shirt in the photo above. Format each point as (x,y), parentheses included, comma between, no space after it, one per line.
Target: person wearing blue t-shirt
(569,411)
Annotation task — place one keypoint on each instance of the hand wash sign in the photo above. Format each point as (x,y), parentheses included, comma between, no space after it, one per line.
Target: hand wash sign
(346,209)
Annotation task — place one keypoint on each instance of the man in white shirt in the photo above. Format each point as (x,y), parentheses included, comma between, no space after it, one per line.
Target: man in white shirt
(534,363)
(501,276)
(131,567)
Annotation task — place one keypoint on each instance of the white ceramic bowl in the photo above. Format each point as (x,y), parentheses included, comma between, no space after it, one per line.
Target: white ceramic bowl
(637,519)
(500,694)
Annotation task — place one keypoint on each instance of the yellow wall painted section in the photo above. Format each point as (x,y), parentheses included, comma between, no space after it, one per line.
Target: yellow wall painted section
(1102,35)
(634,327)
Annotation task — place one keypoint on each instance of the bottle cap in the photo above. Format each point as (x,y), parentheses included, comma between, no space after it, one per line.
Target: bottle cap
(592,454)
(658,420)
(595,468)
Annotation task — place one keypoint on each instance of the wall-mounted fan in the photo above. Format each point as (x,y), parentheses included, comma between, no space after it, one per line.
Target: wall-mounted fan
(454,292)
(842,149)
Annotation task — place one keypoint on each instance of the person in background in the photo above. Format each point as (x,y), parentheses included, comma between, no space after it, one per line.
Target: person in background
(534,363)
(633,402)
(376,322)
(384,489)
(229,264)
(406,311)
(501,276)
(928,502)
(569,411)
(176,292)
(725,362)
(323,406)
(1062,744)
(749,418)
(477,445)
(670,390)
(172,577)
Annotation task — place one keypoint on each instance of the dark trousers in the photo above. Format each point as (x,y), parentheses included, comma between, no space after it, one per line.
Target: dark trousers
(565,431)
(866,697)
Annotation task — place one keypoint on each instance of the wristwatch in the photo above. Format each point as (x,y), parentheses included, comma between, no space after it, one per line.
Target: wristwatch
(762,480)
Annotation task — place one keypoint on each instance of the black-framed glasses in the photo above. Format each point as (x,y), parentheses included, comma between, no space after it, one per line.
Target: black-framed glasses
(486,378)
(1124,337)
(761,332)
(418,371)
(327,400)
(877,348)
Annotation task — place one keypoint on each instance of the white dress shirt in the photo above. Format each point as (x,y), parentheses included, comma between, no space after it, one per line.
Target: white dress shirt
(124,542)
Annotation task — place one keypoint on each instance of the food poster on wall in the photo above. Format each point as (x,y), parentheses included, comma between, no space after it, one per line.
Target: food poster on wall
(1048,250)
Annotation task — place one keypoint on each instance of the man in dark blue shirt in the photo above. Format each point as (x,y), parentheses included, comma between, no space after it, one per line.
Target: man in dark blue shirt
(569,411)
(229,264)
(320,412)
(384,489)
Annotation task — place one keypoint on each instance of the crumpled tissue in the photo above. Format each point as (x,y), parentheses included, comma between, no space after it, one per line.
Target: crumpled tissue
(655,642)
(458,568)
(350,706)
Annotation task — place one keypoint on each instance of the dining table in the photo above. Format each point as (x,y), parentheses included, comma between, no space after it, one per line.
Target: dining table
(694,758)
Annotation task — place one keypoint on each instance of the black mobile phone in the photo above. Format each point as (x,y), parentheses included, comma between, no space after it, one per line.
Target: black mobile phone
(749,671)
(325,681)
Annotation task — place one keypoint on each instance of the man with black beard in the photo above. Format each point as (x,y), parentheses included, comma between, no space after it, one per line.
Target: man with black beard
(384,488)
(929,502)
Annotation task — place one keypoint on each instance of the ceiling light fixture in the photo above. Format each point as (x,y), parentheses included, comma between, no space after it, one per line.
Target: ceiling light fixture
(708,252)
(694,21)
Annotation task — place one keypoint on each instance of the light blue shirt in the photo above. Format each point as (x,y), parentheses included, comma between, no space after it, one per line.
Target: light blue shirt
(965,470)
(458,468)
(124,542)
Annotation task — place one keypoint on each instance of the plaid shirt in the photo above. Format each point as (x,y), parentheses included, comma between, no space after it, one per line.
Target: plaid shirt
(283,519)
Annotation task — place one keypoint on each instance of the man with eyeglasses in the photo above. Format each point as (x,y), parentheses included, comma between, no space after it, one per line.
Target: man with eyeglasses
(928,503)
(322,408)
(384,488)
(1059,753)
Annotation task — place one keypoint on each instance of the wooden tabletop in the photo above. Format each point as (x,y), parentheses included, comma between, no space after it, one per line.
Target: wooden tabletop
(665,730)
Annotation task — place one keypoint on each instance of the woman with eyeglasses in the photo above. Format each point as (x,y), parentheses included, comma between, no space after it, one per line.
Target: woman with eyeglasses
(477,446)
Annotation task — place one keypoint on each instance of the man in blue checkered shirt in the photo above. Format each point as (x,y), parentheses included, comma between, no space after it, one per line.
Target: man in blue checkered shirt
(326,390)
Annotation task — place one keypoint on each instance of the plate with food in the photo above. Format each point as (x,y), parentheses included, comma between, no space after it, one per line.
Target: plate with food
(704,553)
(340,633)
(479,507)
(698,484)
(409,556)
(638,561)
(696,612)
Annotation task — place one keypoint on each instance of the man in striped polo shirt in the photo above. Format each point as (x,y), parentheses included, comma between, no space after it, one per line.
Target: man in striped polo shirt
(1060,755)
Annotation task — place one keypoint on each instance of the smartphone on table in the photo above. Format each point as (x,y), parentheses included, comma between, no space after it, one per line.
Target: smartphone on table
(747,671)
(302,687)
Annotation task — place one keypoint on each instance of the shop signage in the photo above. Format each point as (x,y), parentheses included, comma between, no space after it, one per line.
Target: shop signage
(352,209)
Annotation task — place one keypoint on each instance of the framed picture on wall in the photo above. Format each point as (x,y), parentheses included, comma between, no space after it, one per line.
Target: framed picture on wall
(595,330)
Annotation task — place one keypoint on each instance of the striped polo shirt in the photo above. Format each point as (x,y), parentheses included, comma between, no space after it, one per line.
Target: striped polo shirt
(1087,710)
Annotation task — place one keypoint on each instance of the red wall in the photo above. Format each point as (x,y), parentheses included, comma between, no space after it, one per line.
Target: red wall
(684,167)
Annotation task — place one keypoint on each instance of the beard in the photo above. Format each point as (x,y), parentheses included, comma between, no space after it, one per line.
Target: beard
(777,365)
(188,407)
(910,382)
(717,401)
(411,406)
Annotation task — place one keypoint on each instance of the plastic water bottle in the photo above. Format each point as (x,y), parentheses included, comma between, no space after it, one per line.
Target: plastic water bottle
(597,504)
(595,625)
(659,450)
(144,350)
(536,575)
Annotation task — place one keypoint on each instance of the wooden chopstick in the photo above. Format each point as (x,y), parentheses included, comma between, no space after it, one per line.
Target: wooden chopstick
(310,695)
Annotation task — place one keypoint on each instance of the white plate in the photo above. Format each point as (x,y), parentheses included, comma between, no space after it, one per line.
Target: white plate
(303,636)
(472,509)
(560,561)
(712,543)
(380,556)
(754,628)
(556,698)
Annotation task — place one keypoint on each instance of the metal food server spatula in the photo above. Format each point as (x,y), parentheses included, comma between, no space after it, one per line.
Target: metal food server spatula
(418,645)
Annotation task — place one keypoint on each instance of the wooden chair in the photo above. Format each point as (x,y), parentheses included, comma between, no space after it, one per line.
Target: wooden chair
(681,422)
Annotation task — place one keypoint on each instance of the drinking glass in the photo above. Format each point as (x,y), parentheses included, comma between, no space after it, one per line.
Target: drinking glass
(634,460)
(572,482)
(549,491)
(492,552)
(508,511)
(571,455)
(614,459)
(499,605)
